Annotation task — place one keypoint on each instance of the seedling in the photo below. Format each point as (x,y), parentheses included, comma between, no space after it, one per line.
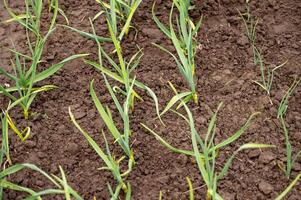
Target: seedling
(25,68)
(5,153)
(191,193)
(281,116)
(205,151)
(184,44)
(289,187)
(267,74)
(61,184)
(122,138)
(119,12)
(6,123)
(184,23)
(122,69)
(53,4)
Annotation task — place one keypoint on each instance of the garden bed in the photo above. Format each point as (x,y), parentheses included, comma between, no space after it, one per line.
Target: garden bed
(224,71)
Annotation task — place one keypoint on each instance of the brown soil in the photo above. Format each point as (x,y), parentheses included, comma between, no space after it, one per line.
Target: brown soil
(225,73)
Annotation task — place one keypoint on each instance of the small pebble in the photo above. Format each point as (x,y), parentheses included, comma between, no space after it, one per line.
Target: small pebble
(72,148)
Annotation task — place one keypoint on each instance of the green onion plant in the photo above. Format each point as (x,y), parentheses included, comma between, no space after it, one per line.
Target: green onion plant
(119,12)
(61,184)
(24,134)
(289,188)
(267,74)
(184,43)
(122,138)
(6,123)
(4,153)
(25,73)
(53,5)
(281,116)
(122,70)
(205,151)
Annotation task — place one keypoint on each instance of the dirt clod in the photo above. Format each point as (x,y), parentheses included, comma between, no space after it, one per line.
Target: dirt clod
(266,157)
(79,114)
(265,187)
(152,33)
(254,153)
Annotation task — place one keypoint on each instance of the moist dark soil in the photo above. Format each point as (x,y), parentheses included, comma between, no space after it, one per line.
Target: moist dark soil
(225,72)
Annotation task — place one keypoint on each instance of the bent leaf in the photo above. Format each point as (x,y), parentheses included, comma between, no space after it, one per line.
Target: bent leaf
(54,68)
